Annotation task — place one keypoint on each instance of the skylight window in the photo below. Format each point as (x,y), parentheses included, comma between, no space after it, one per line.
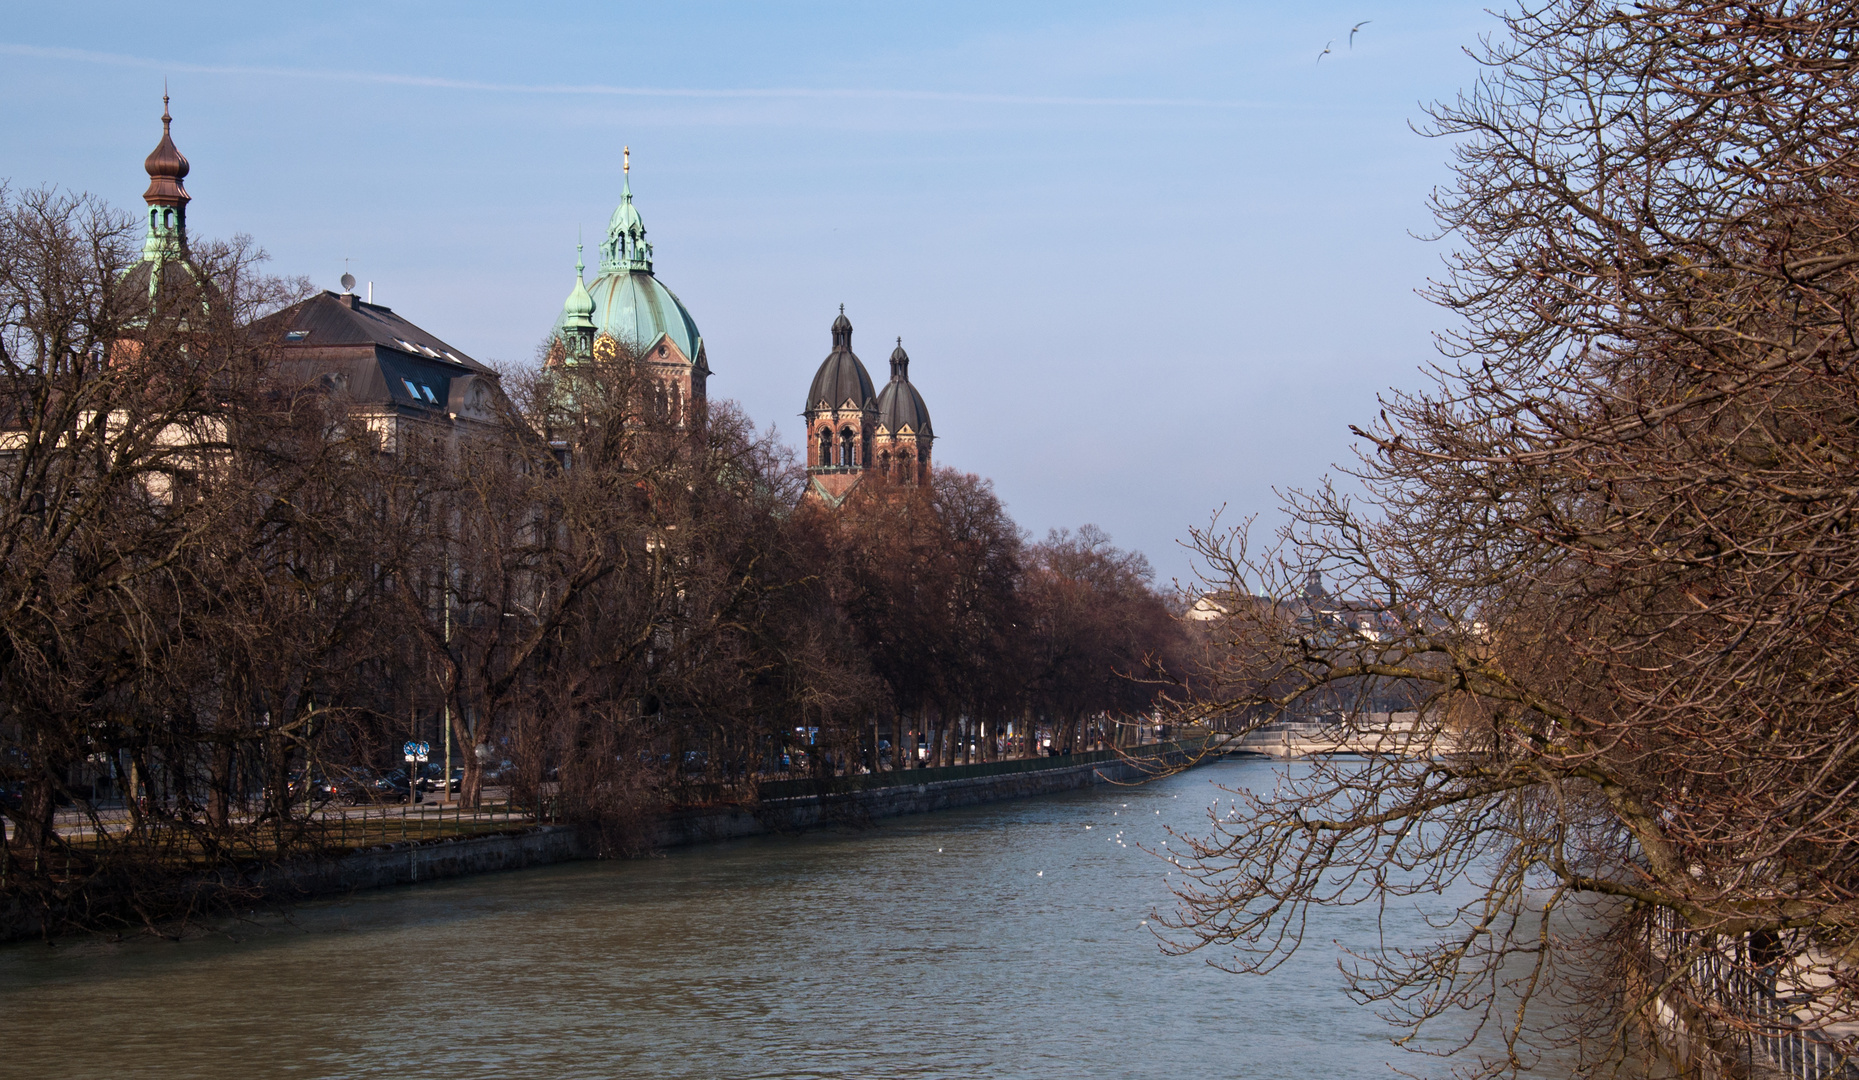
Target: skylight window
(407,345)
(453,359)
(411,389)
(427,390)
(427,349)
(296,335)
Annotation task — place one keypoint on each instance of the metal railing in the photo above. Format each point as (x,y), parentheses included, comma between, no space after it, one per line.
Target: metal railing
(1722,972)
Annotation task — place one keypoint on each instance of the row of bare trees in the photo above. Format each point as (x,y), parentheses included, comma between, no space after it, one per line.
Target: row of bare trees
(227,586)
(1614,546)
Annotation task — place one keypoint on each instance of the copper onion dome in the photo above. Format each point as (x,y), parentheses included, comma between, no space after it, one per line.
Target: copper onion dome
(166,166)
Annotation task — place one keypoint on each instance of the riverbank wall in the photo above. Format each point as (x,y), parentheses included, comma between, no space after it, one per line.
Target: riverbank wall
(784,807)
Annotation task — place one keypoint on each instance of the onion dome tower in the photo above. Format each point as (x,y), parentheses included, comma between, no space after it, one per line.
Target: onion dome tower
(842,418)
(904,434)
(577,328)
(164,250)
(633,311)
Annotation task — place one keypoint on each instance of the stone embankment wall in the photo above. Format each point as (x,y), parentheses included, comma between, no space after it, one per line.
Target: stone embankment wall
(788,806)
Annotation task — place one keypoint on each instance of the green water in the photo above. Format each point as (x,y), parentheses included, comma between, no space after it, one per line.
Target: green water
(999,941)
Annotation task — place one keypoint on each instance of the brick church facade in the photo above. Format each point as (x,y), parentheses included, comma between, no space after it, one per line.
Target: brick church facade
(856,431)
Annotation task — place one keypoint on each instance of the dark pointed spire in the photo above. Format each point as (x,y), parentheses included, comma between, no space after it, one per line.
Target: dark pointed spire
(166,166)
(842,330)
(900,363)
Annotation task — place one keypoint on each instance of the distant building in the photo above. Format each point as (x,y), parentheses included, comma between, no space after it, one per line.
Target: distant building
(628,306)
(395,373)
(855,431)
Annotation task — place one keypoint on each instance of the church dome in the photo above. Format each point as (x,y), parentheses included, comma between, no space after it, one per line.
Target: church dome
(628,303)
(900,406)
(841,377)
(634,307)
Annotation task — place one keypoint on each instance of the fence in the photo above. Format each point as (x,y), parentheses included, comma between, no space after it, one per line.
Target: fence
(379,823)
(836,785)
(1723,973)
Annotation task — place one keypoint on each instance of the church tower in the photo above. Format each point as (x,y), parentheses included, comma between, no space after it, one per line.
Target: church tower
(164,248)
(842,418)
(628,306)
(904,432)
(855,431)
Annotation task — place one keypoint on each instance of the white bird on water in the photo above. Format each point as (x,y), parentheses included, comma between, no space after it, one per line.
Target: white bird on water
(1042,873)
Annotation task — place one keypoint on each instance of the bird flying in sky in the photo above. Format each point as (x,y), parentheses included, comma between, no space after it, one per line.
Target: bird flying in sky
(1352,32)
(1326,50)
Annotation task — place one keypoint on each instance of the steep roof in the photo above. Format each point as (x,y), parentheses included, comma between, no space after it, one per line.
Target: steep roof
(332,320)
(379,356)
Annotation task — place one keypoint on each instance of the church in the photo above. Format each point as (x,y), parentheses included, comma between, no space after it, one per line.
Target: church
(627,304)
(854,430)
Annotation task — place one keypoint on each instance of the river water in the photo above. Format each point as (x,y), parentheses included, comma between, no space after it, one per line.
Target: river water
(997,941)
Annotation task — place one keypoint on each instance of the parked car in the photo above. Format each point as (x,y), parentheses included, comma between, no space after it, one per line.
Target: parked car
(391,787)
(433,773)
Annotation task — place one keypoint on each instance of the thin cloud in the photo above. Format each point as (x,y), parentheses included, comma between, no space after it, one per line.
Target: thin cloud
(599,90)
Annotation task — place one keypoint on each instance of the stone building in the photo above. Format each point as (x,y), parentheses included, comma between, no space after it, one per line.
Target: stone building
(627,306)
(855,430)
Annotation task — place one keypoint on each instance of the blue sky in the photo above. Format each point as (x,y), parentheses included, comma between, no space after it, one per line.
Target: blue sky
(1148,260)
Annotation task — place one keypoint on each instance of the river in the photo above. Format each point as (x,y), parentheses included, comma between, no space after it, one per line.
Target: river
(997,941)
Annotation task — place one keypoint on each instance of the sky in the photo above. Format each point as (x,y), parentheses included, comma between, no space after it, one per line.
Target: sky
(1148,260)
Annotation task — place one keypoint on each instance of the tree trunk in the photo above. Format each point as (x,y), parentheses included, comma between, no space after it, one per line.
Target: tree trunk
(219,785)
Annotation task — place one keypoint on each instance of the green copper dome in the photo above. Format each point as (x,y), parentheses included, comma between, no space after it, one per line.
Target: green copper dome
(626,302)
(634,307)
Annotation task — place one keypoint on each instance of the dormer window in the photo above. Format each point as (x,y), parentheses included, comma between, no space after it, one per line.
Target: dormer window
(427,390)
(296,335)
(411,389)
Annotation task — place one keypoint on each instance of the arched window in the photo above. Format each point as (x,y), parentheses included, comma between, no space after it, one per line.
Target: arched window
(846,445)
(826,447)
(864,449)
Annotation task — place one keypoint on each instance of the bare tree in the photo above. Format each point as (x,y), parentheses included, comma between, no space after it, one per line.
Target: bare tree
(1612,544)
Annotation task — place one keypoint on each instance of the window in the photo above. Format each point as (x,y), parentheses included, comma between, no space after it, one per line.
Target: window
(427,390)
(296,335)
(826,447)
(845,448)
(452,358)
(411,389)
